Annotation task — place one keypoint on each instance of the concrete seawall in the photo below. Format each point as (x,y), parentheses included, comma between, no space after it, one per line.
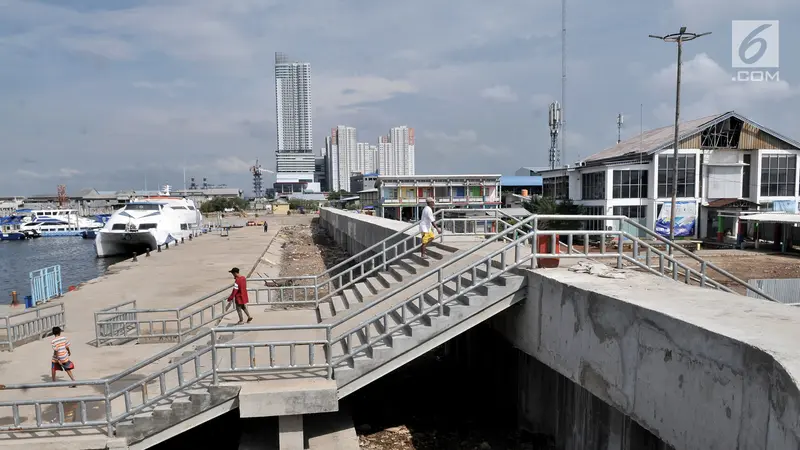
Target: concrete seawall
(700,369)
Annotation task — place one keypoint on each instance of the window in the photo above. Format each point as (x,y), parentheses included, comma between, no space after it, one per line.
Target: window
(777,175)
(686,175)
(594,225)
(630,184)
(390,193)
(593,186)
(556,187)
(475,191)
(746,177)
(141,207)
(632,212)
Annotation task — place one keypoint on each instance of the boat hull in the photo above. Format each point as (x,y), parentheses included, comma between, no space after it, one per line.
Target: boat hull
(13,236)
(116,243)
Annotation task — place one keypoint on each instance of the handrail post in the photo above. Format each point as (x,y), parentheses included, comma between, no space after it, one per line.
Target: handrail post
(110,427)
(620,248)
(96,331)
(316,291)
(440,278)
(703,273)
(214,374)
(180,325)
(385,258)
(534,243)
(329,352)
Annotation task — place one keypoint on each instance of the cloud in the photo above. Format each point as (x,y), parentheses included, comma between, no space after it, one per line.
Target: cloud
(708,88)
(61,173)
(343,93)
(232,165)
(499,93)
(105,47)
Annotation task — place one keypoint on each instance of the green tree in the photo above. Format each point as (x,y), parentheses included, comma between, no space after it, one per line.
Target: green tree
(219,204)
(550,206)
(336,195)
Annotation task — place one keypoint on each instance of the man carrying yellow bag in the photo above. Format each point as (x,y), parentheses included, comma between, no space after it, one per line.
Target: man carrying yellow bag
(426,225)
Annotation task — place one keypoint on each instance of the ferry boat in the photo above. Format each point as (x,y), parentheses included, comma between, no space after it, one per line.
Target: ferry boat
(148,223)
(56,222)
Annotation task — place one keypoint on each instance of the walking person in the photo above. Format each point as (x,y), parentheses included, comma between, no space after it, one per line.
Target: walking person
(266,226)
(427,225)
(61,355)
(239,295)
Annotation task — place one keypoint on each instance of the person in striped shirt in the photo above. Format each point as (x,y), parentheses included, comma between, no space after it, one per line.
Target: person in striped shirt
(61,354)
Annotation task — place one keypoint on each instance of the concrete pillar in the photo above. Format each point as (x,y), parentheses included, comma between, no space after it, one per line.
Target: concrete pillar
(290,432)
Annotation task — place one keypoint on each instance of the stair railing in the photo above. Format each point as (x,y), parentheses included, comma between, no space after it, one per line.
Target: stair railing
(359,266)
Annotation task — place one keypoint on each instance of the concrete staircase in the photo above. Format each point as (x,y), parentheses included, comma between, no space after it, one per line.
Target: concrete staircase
(351,298)
(408,324)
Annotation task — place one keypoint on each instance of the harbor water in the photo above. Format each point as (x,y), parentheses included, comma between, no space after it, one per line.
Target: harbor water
(76,256)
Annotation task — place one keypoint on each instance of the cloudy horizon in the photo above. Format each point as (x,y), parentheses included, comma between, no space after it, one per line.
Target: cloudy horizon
(100,94)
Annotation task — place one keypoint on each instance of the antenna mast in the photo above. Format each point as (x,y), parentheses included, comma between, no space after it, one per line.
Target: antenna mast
(563,77)
(555,123)
(619,128)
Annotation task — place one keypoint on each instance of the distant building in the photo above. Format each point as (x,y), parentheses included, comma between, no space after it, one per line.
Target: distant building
(396,152)
(403,197)
(321,171)
(359,182)
(91,201)
(294,153)
(728,166)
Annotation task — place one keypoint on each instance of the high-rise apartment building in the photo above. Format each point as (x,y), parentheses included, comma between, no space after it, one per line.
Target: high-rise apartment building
(366,158)
(342,151)
(294,153)
(396,152)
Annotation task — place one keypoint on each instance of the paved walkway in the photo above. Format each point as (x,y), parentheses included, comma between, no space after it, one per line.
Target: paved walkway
(168,279)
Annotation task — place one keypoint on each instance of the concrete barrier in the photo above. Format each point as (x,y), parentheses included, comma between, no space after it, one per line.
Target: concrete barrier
(356,232)
(700,369)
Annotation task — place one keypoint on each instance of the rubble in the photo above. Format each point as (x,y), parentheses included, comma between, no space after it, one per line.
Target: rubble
(308,250)
(599,269)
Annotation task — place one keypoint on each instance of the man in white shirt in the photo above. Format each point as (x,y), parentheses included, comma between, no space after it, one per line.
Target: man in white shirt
(426,225)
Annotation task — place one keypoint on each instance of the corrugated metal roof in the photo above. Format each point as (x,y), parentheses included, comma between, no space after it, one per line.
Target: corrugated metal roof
(773,217)
(652,139)
(518,180)
(661,138)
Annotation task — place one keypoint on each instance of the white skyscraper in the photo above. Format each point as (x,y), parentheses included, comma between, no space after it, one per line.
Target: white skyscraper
(367,158)
(293,116)
(396,152)
(343,144)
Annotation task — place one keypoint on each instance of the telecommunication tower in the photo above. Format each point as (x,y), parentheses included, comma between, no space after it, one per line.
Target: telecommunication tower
(619,128)
(258,190)
(554,121)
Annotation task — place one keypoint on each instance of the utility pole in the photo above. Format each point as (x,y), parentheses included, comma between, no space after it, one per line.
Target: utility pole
(679,38)
(563,155)
(619,127)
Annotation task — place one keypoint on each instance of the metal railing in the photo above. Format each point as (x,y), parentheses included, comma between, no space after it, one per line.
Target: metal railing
(311,290)
(46,284)
(210,362)
(29,324)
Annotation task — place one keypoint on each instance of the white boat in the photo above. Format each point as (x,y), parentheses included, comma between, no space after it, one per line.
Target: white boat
(56,222)
(148,223)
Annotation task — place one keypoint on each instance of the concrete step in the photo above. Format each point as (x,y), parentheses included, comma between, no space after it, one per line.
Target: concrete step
(401,273)
(374,283)
(423,330)
(363,291)
(351,297)
(181,407)
(387,279)
(418,260)
(200,398)
(339,304)
(325,310)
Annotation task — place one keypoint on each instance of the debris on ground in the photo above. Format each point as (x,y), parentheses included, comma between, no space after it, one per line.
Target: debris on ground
(308,250)
(599,269)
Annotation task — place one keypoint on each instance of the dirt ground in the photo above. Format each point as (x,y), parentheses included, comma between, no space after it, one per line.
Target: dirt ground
(748,265)
(308,251)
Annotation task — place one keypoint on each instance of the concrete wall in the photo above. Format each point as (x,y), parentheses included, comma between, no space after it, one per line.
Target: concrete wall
(355,232)
(700,369)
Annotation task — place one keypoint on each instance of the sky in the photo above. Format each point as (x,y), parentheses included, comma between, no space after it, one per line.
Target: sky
(114,94)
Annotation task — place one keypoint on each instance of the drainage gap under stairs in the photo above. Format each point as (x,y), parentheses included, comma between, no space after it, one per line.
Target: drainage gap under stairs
(457,396)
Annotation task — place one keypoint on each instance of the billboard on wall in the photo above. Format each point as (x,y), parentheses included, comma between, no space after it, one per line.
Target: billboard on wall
(685,218)
(787,206)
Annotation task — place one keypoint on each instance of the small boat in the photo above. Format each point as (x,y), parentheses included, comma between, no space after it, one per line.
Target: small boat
(88,234)
(13,236)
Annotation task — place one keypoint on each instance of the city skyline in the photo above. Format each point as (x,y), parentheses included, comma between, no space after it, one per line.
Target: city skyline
(293,117)
(100,94)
